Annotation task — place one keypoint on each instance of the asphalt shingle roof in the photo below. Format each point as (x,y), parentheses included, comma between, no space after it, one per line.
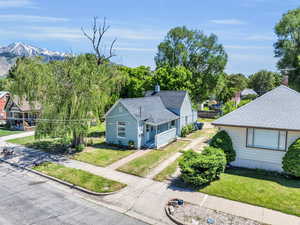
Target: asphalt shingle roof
(171,99)
(152,109)
(248,91)
(278,109)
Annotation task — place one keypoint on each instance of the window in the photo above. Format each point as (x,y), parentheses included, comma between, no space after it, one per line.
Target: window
(266,139)
(121,129)
(173,123)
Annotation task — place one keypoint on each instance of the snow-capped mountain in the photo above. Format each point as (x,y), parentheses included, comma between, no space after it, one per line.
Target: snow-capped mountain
(9,54)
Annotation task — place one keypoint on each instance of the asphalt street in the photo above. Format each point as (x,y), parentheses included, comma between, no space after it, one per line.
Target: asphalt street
(27,200)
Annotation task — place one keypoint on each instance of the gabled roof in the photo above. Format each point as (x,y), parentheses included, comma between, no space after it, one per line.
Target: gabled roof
(278,109)
(150,109)
(248,91)
(3,93)
(23,104)
(171,99)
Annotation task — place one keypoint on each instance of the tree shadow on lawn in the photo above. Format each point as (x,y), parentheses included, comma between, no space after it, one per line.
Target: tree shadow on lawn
(96,134)
(177,184)
(49,146)
(259,174)
(27,157)
(104,145)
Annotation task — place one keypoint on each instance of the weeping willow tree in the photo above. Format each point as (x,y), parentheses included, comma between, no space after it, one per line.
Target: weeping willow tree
(72,93)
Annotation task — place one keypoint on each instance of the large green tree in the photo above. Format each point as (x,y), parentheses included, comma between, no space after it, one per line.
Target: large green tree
(138,81)
(71,92)
(287,47)
(173,78)
(264,81)
(197,52)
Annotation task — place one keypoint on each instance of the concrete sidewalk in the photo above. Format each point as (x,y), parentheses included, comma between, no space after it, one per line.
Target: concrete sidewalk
(14,136)
(146,197)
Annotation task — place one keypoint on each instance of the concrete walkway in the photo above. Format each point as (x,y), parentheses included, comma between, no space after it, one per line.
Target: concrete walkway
(125,160)
(147,198)
(19,135)
(173,158)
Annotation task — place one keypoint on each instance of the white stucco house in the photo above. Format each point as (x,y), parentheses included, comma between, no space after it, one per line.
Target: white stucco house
(262,130)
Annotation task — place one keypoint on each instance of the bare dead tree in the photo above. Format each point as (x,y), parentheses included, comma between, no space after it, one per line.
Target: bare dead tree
(96,37)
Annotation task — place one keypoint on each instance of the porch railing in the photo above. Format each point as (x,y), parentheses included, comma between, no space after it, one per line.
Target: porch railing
(165,137)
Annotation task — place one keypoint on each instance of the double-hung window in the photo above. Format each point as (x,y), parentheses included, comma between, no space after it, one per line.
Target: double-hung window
(121,129)
(266,139)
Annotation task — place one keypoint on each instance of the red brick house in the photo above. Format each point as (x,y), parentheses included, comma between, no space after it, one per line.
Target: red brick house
(4,95)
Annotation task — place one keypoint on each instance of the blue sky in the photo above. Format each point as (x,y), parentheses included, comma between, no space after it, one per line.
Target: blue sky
(244,27)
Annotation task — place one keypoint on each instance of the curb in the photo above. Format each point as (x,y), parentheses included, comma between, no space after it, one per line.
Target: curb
(72,186)
(172,218)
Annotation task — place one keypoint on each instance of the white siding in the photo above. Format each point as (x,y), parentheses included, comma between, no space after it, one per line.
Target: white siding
(254,157)
(187,114)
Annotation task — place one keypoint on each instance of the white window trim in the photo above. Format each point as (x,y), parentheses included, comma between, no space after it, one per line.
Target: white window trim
(265,148)
(118,129)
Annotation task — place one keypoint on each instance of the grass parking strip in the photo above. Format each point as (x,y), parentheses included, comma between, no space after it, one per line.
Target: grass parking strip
(259,188)
(141,166)
(79,178)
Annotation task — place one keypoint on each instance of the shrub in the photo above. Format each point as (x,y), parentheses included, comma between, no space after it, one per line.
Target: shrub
(184,131)
(131,144)
(79,147)
(291,160)
(202,168)
(228,107)
(244,102)
(187,129)
(223,141)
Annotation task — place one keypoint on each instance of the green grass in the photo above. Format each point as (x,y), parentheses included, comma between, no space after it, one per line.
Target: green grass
(258,188)
(167,172)
(80,178)
(141,166)
(206,120)
(102,154)
(5,132)
(47,145)
(210,132)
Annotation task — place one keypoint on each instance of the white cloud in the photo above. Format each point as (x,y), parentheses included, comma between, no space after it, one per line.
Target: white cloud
(31,18)
(16,3)
(135,49)
(260,37)
(246,47)
(140,34)
(228,22)
(63,33)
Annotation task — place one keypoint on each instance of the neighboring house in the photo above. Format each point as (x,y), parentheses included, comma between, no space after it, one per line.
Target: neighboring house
(242,94)
(262,130)
(4,95)
(151,121)
(21,115)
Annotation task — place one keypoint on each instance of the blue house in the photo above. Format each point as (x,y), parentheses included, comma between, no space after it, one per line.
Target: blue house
(151,121)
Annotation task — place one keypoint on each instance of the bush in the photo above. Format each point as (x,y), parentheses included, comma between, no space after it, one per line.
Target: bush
(187,130)
(198,169)
(223,141)
(244,102)
(79,147)
(131,144)
(228,107)
(291,160)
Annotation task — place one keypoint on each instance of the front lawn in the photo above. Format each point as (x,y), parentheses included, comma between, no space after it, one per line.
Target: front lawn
(167,172)
(209,132)
(5,132)
(48,145)
(102,154)
(206,120)
(258,188)
(143,165)
(80,178)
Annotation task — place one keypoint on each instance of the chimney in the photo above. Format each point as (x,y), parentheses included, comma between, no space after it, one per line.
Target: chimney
(157,88)
(285,81)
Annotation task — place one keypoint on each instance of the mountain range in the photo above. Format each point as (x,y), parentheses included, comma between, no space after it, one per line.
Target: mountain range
(10,53)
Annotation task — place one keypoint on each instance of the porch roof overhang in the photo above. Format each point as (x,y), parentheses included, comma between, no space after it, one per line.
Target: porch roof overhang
(161,122)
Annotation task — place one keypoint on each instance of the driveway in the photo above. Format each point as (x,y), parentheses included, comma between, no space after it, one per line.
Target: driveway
(27,200)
